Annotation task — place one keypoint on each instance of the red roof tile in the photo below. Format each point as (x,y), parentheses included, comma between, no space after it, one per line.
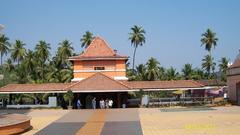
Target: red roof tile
(162,84)
(98,49)
(98,82)
(44,87)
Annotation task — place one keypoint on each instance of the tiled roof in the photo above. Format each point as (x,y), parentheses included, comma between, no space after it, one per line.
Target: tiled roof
(236,63)
(98,82)
(211,82)
(163,84)
(98,49)
(34,87)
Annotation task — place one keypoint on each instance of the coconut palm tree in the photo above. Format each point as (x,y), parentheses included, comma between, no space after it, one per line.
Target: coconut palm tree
(223,66)
(209,39)
(187,71)
(43,53)
(64,51)
(152,71)
(172,74)
(29,61)
(18,52)
(140,72)
(208,64)
(9,65)
(4,45)
(137,38)
(86,39)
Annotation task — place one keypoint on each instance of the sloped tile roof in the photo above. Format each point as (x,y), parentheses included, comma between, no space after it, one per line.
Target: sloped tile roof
(162,84)
(98,49)
(212,82)
(97,82)
(44,87)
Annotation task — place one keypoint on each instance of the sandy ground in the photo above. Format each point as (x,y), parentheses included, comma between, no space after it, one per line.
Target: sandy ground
(222,121)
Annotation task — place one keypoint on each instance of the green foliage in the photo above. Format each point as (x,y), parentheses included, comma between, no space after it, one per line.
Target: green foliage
(209,40)
(86,39)
(208,65)
(137,38)
(223,66)
(68,97)
(4,46)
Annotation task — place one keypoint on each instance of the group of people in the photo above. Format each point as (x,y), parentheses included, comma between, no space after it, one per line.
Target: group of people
(108,103)
(105,104)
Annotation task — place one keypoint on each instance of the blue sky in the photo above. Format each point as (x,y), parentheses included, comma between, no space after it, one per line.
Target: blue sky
(173,27)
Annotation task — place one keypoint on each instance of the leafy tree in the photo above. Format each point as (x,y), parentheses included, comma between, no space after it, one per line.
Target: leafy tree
(198,74)
(137,38)
(223,66)
(86,39)
(187,71)
(208,65)
(140,72)
(9,65)
(209,40)
(152,71)
(18,52)
(172,74)
(69,97)
(4,45)
(29,61)
(43,53)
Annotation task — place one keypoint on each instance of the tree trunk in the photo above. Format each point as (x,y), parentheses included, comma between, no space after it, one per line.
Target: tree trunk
(134,54)
(1,58)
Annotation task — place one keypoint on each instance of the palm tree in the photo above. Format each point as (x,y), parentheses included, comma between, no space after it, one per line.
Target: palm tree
(172,74)
(64,51)
(223,66)
(18,52)
(137,38)
(9,65)
(4,45)
(187,71)
(208,65)
(43,53)
(140,72)
(29,61)
(86,39)
(209,40)
(152,71)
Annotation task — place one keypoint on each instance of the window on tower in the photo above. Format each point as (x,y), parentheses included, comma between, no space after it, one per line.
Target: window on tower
(99,68)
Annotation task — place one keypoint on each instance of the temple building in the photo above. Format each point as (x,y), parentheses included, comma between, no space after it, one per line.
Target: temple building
(101,72)
(233,81)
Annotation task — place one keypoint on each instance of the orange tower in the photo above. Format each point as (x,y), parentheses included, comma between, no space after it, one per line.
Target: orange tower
(99,57)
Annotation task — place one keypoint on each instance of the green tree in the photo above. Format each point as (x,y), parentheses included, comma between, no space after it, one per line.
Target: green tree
(64,51)
(86,39)
(208,65)
(209,40)
(4,45)
(223,66)
(137,38)
(18,52)
(9,65)
(140,72)
(187,71)
(152,71)
(43,53)
(29,61)
(172,74)
(69,97)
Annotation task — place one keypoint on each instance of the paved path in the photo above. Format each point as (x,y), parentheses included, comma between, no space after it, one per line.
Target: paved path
(96,122)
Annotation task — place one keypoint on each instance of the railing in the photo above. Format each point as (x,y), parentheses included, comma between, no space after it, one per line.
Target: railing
(180,101)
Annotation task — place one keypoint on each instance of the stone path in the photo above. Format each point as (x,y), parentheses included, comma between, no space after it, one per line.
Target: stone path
(96,122)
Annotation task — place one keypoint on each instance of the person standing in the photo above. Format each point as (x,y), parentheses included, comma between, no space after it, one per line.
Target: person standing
(101,104)
(94,103)
(79,104)
(106,104)
(110,103)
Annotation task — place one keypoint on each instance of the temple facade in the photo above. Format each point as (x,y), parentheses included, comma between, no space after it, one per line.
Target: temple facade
(99,57)
(233,81)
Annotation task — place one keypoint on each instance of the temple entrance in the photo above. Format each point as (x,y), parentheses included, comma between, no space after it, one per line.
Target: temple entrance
(119,98)
(238,93)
